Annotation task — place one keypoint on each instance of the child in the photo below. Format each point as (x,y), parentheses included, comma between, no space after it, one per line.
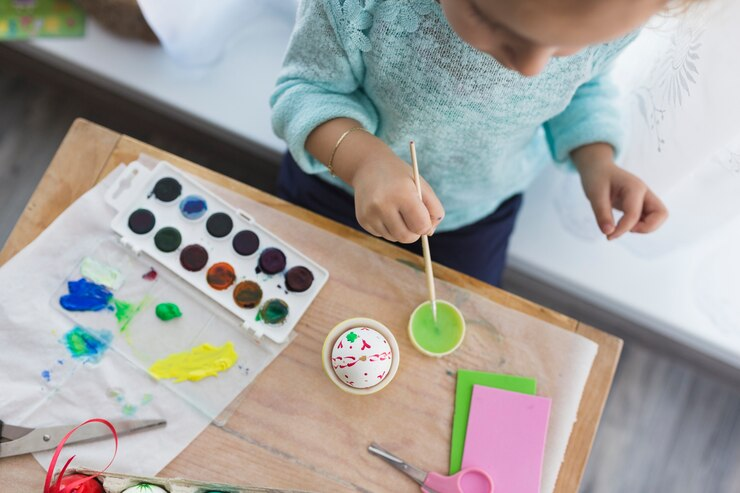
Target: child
(484,87)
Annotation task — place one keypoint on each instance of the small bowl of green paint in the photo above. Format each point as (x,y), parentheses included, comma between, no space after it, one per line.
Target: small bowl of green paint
(440,337)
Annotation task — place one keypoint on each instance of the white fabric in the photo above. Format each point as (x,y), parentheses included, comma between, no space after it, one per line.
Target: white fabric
(195,32)
(77,391)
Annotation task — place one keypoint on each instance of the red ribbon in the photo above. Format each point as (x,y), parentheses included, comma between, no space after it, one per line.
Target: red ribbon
(48,487)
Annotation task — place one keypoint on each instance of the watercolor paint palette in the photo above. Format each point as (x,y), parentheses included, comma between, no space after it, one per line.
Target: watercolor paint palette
(119,302)
(119,483)
(220,250)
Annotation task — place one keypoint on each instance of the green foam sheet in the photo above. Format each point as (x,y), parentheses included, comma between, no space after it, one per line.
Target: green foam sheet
(464,392)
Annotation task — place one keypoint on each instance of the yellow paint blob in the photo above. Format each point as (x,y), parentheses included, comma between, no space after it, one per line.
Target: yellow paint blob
(198,363)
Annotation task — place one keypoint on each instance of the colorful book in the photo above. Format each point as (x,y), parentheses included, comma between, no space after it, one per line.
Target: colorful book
(25,19)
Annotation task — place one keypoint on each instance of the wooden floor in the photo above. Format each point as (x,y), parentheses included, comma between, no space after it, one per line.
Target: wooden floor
(668,427)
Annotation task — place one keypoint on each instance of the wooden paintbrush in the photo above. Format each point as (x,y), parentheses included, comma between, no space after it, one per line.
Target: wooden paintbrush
(424,239)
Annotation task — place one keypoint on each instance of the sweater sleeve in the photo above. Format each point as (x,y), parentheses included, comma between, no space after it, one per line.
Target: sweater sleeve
(319,81)
(593,114)
(590,117)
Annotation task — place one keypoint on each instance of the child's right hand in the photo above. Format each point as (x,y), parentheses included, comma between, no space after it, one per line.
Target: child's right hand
(387,203)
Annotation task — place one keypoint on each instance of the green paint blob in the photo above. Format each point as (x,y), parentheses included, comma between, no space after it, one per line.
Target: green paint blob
(441,337)
(145,488)
(100,273)
(168,311)
(168,239)
(86,344)
(351,337)
(125,311)
(274,311)
(129,409)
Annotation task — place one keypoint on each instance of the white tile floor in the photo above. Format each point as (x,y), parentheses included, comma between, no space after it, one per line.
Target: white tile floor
(667,427)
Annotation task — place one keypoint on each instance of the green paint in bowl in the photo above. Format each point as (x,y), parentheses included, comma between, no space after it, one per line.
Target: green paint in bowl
(440,338)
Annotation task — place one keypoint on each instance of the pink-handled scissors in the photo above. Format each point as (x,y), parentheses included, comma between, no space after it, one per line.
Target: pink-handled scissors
(469,480)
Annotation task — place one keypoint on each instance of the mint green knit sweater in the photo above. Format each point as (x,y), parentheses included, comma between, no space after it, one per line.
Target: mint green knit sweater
(482,131)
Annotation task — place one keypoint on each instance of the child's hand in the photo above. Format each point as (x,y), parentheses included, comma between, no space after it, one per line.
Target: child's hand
(387,203)
(608,187)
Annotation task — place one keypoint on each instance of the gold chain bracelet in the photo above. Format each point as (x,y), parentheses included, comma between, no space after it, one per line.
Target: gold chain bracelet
(336,146)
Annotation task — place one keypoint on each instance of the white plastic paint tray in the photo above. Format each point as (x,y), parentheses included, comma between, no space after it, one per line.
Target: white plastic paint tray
(133,190)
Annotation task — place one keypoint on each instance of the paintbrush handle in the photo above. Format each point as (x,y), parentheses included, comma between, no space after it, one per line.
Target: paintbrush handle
(415,167)
(424,238)
(429,273)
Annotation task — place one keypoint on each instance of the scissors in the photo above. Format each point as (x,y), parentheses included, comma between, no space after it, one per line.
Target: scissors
(469,480)
(17,440)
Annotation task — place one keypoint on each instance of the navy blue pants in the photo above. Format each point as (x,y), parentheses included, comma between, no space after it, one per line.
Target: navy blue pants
(478,249)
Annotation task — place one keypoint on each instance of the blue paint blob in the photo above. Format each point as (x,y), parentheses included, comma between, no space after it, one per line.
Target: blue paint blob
(85,296)
(193,207)
(46,374)
(87,345)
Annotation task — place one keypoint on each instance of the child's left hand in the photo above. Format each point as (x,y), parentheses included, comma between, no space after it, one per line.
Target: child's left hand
(607,187)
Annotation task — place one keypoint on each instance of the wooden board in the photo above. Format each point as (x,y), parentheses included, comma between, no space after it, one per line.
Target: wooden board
(89,152)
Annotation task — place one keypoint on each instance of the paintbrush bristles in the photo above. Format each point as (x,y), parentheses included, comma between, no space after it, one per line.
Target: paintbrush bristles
(424,239)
